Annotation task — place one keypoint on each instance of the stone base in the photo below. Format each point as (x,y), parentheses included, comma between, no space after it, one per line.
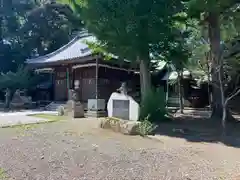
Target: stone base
(74,109)
(121,126)
(78,111)
(96,114)
(76,114)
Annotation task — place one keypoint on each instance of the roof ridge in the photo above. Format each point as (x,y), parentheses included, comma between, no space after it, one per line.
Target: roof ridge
(75,39)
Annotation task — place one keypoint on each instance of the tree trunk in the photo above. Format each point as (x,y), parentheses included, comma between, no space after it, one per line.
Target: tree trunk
(214,37)
(208,57)
(224,117)
(219,112)
(224,110)
(145,78)
(180,74)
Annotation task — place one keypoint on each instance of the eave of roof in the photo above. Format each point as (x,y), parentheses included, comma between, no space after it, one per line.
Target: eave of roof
(75,49)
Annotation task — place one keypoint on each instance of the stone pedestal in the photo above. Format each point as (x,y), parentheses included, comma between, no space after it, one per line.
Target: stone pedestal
(75,109)
(78,110)
(96,108)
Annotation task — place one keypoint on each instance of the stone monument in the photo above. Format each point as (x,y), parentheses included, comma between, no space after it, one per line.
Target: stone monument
(74,108)
(122,106)
(17,102)
(20,100)
(7,98)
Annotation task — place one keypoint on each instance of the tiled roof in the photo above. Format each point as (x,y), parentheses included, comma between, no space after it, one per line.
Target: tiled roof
(76,48)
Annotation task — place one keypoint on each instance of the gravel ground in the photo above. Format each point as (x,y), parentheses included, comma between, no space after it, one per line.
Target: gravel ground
(79,150)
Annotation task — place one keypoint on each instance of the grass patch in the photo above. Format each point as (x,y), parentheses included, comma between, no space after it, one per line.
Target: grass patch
(3,174)
(50,117)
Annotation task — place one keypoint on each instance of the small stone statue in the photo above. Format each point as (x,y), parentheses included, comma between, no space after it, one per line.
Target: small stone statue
(123,88)
(7,98)
(17,92)
(73,95)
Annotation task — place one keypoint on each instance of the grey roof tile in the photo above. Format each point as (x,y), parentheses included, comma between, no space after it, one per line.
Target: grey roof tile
(76,48)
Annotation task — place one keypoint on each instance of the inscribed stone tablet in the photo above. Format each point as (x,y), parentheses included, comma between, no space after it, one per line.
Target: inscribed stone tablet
(121,109)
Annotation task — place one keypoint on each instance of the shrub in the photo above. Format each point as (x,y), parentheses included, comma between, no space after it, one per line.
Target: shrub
(153,106)
(60,111)
(146,127)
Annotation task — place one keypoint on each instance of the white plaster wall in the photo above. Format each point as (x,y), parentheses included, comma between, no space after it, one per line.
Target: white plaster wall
(134,108)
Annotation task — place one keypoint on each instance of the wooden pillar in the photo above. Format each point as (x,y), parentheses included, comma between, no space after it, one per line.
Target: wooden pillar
(68,82)
(96,80)
(167,83)
(53,81)
(73,79)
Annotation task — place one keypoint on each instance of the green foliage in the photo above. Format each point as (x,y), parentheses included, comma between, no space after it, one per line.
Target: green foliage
(33,27)
(153,106)
(136,30)
(230,26)
(130,28)
(197,8)
(98,48)
(146,127)
(12,14)
(198,41)
(178,54)
(48,27)
(3,174)
(21,79)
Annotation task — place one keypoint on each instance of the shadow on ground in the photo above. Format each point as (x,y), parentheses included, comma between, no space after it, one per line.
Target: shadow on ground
(197,127)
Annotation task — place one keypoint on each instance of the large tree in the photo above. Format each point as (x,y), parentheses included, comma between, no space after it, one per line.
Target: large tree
(209,13)
(12,14)
(49,26)
(132,29)
(33,27)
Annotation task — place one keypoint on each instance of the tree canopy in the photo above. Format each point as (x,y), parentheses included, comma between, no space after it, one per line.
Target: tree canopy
(33,28)
(135,30)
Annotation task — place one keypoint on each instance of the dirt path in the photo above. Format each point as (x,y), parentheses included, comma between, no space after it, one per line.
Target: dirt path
(80,150)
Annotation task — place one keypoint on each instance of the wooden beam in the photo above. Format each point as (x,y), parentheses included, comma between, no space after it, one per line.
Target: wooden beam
(102,65)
